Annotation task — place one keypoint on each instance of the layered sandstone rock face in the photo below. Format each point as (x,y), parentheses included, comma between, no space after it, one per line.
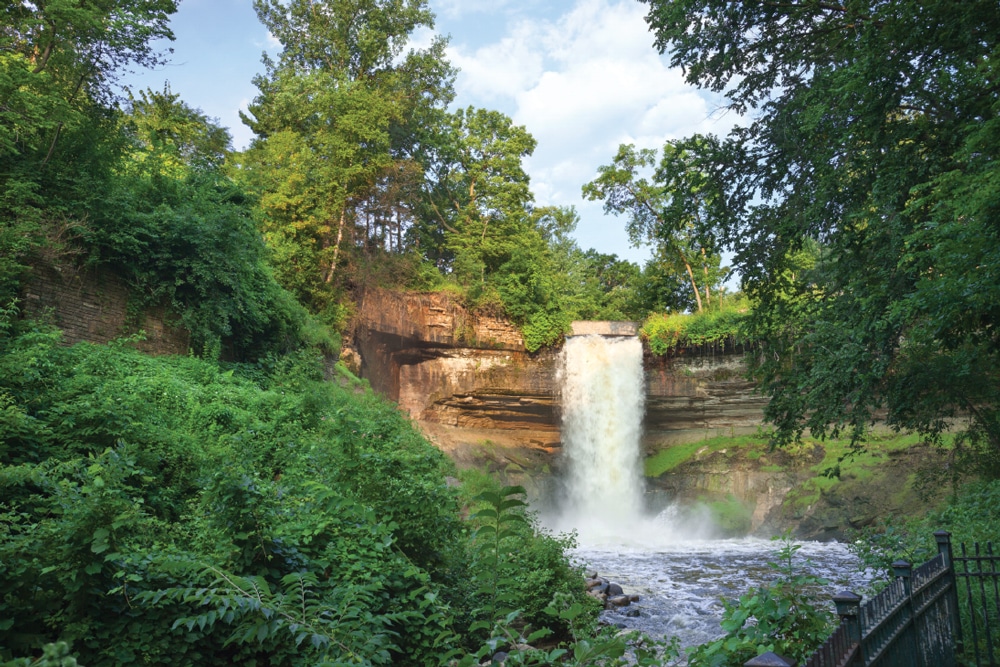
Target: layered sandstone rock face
(475,391)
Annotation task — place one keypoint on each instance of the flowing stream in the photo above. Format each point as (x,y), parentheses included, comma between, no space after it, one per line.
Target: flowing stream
(669,558)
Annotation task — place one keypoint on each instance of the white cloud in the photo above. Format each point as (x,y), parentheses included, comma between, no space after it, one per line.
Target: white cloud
(582,84)
(499,71)
(271,43)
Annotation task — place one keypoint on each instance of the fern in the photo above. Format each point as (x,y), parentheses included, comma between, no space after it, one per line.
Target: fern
(324,622)
(498,522)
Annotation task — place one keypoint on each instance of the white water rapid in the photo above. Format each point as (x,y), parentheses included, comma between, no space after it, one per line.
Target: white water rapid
(669,558)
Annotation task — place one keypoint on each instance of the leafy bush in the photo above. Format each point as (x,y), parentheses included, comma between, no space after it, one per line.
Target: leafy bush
(517,568)
(970,517)
(672,331)
(171,511)
(166,511)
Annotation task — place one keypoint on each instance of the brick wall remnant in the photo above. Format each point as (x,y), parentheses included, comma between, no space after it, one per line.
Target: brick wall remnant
(91,305)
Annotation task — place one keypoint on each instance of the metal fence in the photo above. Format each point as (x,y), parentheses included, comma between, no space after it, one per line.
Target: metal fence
(942,614)
(978,579)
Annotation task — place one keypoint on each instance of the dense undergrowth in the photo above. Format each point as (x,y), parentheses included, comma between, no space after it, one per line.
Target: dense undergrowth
(173,511)
(720,326)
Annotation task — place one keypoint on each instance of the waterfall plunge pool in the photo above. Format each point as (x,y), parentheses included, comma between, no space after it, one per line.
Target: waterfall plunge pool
(667,559)
(680,586)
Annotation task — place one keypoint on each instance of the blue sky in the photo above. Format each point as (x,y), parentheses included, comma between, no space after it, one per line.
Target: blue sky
(581,75)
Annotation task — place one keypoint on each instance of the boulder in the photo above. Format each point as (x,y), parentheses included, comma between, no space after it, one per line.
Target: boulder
(597,594)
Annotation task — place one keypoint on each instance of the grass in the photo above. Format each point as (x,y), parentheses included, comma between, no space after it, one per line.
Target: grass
(833,486)
(670,457)
(838,453)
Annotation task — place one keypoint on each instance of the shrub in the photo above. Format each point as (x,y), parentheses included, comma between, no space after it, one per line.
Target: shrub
(167,511)
(672,331)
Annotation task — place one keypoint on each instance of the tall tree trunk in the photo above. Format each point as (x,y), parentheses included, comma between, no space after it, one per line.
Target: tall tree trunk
(704,265)
(694,285)
(336,245)
(399,232)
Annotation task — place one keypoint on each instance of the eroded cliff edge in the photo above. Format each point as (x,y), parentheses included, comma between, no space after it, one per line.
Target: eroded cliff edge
(471,386)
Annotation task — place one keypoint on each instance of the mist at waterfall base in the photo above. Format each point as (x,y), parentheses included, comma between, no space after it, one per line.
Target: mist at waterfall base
(668,554)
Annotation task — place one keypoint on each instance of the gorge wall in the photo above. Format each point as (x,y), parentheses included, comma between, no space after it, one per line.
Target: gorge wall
(92,305)
(479,395)
(472,388)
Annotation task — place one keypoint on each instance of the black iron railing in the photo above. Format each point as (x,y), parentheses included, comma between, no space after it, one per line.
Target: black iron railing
(944,613)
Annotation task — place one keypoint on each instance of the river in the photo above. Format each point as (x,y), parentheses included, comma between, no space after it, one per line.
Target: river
(680,586)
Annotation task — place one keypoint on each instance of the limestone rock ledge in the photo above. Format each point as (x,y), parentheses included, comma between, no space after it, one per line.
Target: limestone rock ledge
(472,387)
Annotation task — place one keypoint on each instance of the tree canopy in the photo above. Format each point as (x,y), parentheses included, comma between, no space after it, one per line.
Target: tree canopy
(872,136)
(668,212)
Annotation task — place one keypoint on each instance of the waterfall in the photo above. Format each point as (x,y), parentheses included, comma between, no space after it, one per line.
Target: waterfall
(603,394)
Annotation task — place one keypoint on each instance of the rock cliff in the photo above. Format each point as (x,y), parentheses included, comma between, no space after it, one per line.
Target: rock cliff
(476,392)
(472,388)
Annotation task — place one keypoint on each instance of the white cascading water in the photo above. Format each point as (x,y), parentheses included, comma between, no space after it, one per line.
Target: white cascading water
(602,403)
(668,559)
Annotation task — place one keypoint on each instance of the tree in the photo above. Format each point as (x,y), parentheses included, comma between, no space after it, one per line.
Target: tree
(327,141)
(60,57)
(178,136)
(339,119)
(874,132)
(479,193)
(667,211)
(59,137)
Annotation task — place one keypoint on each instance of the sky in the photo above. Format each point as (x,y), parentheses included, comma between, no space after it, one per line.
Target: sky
(581,75)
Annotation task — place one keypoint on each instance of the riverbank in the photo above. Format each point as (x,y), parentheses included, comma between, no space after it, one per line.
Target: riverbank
(819,490)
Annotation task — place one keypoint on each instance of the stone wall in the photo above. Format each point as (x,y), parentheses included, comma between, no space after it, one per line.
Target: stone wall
(91,305)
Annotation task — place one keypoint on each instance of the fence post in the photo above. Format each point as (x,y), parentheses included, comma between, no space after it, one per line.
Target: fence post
(848,606)
(943,538)
(769,659)
(902,570)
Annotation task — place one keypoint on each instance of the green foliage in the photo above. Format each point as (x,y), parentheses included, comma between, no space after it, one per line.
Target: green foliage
(872,138)
(730,515)
(606,647)
(53,655)
(784,617)
(169,511)
(57,147)
(496,518)
(196,248)
(144,499)
(337,120)
(667,459)
(519,569)
(183,235)
(667,211)
(674,331)
(970,517)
